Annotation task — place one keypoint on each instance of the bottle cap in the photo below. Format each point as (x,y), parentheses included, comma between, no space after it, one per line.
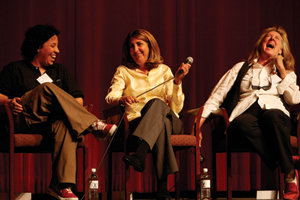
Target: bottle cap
(93,170)
(205,170)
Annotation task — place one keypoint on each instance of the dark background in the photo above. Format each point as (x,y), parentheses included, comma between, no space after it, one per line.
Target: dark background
(216,33)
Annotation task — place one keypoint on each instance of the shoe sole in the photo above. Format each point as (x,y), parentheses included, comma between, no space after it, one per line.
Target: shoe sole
(101,137)
(112,130)
(133,164)
(54,194)
(296,196)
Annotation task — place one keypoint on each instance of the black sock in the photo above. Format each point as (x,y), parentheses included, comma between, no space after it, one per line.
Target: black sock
(142,150)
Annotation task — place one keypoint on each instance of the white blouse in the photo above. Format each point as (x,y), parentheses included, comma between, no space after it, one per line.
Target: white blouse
(260,83)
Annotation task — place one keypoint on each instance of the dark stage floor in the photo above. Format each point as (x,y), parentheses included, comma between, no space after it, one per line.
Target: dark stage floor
(151,196)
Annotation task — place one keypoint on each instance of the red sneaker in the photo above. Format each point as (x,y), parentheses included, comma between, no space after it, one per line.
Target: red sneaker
(292,189)
(64,194)
(101,130)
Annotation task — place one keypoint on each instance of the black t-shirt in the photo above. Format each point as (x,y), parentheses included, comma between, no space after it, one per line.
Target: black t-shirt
(19,77)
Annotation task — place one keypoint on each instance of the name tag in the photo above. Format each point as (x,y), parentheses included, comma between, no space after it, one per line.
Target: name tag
(44,79)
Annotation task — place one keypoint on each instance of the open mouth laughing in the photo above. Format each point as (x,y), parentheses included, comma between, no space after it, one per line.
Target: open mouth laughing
(271,46)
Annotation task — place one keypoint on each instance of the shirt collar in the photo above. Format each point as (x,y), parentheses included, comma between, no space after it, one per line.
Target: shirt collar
(36,68)
(257,65)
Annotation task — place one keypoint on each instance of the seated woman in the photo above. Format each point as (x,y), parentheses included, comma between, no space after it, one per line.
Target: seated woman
(153,116)
(44,98)
(255,94)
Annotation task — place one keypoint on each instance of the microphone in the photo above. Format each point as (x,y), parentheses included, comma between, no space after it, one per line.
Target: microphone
(188,60)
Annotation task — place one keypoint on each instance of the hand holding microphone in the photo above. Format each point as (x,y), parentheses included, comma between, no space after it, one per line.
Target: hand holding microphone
(183,70)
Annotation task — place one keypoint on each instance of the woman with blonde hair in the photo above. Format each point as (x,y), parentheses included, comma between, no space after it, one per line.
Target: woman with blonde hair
(256,94)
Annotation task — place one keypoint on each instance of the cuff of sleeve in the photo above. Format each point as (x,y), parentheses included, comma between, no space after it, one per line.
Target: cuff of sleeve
(112,101)
(205,114)
(176,87)
(285,83)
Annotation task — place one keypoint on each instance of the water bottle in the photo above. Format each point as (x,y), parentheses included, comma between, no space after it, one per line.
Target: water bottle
(93,186)
(205,185)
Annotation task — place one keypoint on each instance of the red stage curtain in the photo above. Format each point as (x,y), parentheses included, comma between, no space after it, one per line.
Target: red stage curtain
(217,34)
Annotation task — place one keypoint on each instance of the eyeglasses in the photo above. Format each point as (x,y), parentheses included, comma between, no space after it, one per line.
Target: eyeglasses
(257,87)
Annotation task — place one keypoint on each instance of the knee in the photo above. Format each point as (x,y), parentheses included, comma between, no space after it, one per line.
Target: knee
(154,103)
(276,117)
(44,86)
(273,114)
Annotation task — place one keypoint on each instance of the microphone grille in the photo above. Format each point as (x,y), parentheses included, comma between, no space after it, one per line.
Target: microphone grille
(189,60)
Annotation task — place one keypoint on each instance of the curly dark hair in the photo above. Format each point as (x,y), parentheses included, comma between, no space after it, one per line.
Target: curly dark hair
(35,37)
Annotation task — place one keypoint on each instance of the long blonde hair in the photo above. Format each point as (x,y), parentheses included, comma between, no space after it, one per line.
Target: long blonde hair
(289,61)
(154,58)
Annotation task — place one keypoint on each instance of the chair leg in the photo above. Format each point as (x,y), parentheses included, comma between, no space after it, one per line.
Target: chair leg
(229,176)
(197,172)
(109,189)
(177,177)
(11,173)
(85,159)
(214,175)
(281,183)
(127,182)
(83,168)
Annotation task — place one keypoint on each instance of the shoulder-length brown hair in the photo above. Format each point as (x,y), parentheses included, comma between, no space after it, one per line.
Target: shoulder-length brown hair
(289,61)
(154,58)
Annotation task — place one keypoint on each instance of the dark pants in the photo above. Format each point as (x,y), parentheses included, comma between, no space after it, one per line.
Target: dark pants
(268,132)
(155,126)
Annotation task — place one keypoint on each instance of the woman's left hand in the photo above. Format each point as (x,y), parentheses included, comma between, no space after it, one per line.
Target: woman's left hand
(181,72)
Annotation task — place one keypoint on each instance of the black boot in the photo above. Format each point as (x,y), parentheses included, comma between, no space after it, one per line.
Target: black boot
(137,160)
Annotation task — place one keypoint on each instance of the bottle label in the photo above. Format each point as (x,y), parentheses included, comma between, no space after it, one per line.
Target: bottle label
(205,184)
(94,184)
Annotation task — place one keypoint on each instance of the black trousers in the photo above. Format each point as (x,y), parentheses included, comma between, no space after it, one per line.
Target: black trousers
(268,132)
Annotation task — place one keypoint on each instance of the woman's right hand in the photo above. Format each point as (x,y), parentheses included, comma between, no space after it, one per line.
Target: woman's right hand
(200,139)
(128,100)
(15,105)
(202,120)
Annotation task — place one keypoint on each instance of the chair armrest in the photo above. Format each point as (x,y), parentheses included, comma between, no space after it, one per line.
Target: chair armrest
(113,114)
(7,126)
(197,114)
(221,112)
(297,114)
(7,120)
